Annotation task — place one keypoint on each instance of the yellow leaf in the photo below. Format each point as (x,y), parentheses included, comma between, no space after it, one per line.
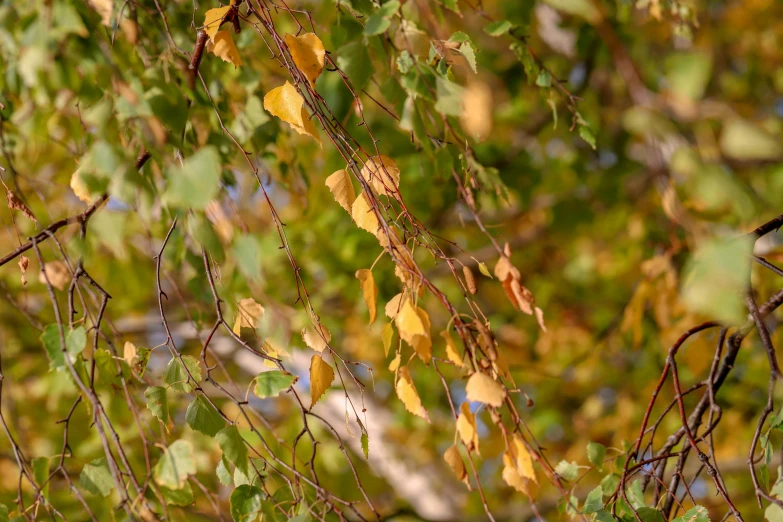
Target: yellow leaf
(309,128)
(342,188)
(79,187)
(512,477)
(129,352)
(272,349)
(387,333)
(484,270)
(409,322)
(221,223)
(363,214)
(248,314)
(451,349)
(522,459)
(58,274)
(321,377)
(223,47)
(454,460)
(407,393)
(422,344)
(104,8)
(393,306)
(476,117)
(315,340)
(308,54)
(369,290)
(483,388)
(212,20)
(466,427)
(285,102)
(382,174)
(395,363)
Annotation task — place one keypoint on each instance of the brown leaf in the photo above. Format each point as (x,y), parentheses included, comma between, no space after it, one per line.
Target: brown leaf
(23,264)
(58,274)
(14,203)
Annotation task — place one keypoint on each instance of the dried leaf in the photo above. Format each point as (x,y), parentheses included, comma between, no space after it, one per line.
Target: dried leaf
(212,20)
(406,391)
(223,46)
(23,264)
(248,314)
(308,54)
(382,174)
(454,460)
(342,188)
(483,388)
(321,377)
(14,203)
(315,340)
(476,117)
(58,274)
(363,214)
(451,349)
(369,290)
(540,318)
(466,427)
(470,280)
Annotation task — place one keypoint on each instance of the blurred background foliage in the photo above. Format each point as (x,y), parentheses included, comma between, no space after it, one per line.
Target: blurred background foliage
(617,145)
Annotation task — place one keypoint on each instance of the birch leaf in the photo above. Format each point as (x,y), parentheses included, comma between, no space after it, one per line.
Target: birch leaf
(451,349)
(454,460)
(315,340)
(286,103)
(248,314)
(466,427)
(223,46)
(308,54)
(321,377)
(58,274)
(369,290)
(363,214)
(342,189)
(212,20)
(483,388)
(393,306)
(387,333)
(382,174)
(406,391)
(409,322)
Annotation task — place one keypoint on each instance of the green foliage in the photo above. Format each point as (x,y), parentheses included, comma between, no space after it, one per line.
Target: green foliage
(246,503)
(202,416)
(270,384)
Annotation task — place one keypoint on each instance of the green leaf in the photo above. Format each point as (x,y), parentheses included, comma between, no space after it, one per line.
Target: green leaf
(203,417)
(107,365)
(604,516)
(544,79)
(194,184)
(687,74)
(246,503)
(582,8)
(178,497)
(157,403)
(3,513)
(96,478)
(567,470)
(366,445)
(596,453)
(744,141)
(636,495)
(498,28)
(248,256)
(586,134)
(223,474)
(232,445)
(176,376)
(40,467)
(594,501)
(449,97)
(174,466)
(610,482)
(405,62)
(75,341)
(773,513)
(470,55)
(270,384)
(648,514)
(714,279)
(354,60)
(451,5)
(695,514)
